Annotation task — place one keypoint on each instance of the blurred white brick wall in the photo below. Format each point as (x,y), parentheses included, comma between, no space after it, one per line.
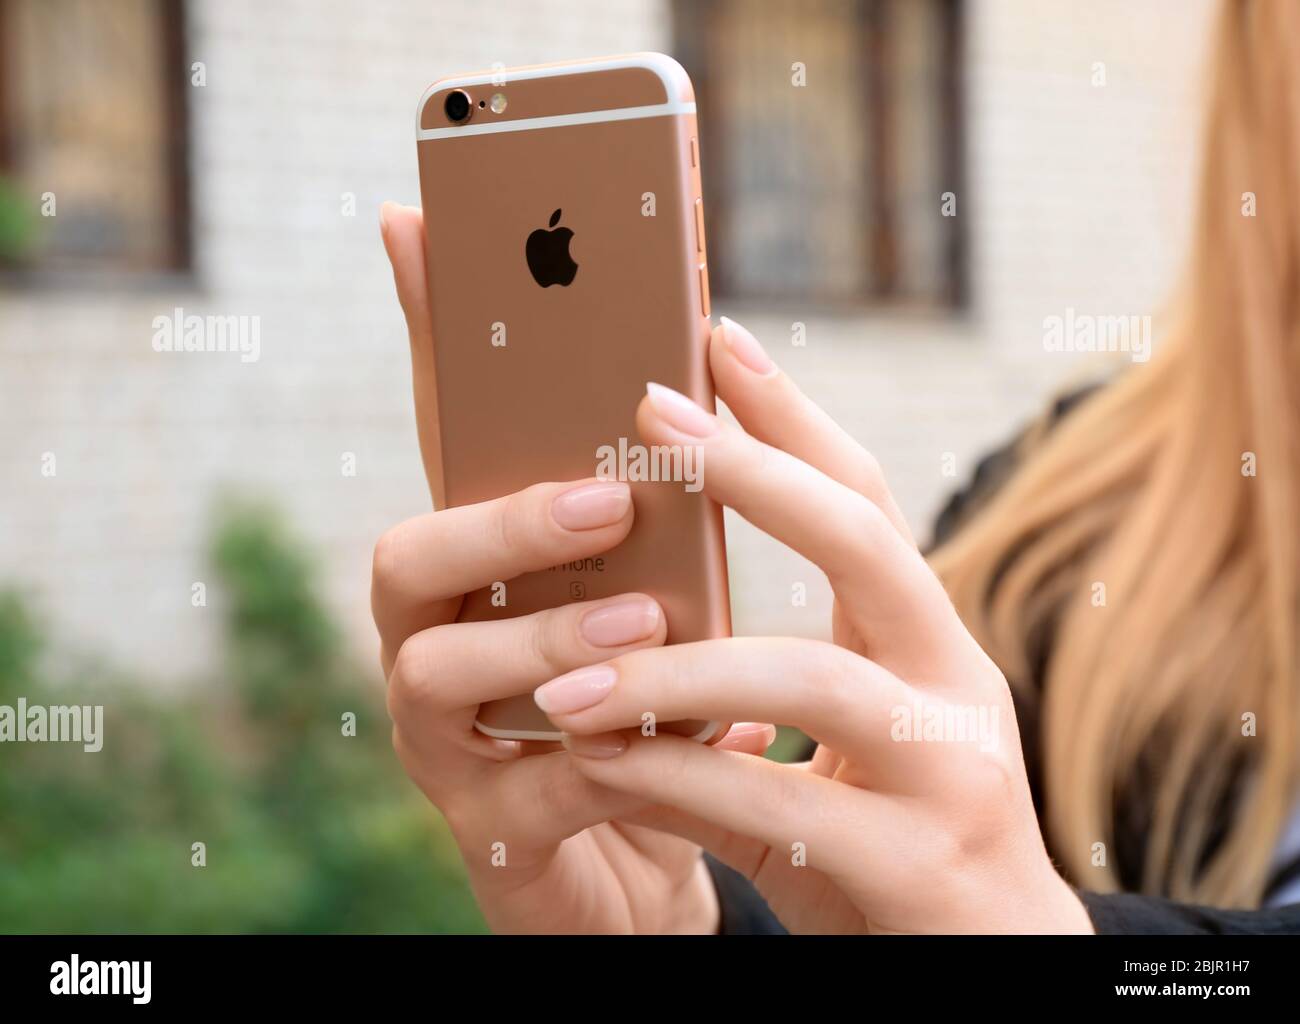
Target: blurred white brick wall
(1080,193)
(1077,196)
(304,101)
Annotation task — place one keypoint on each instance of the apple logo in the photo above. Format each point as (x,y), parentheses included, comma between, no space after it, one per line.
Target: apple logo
(548,256)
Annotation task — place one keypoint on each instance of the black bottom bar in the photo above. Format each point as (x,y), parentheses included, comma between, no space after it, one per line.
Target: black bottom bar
(339,973)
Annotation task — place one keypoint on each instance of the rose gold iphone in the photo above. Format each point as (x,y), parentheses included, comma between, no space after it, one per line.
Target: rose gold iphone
(566,269)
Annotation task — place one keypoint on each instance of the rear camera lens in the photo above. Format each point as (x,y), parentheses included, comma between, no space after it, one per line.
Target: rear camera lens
(457,106)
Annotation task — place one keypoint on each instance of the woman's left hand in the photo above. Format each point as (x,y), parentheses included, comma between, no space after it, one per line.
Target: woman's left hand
(915,813)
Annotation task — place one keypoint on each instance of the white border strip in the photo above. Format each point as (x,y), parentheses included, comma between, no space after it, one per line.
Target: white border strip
(662,65)
(524,124)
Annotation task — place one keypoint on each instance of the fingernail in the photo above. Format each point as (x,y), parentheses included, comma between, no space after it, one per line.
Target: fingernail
(592,505)
(623,622)
(765,729)
(603,747)
(745,347)
(680,412)
(383,218)
(575,691)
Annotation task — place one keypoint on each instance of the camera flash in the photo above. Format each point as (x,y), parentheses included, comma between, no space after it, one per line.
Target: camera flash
(498,103)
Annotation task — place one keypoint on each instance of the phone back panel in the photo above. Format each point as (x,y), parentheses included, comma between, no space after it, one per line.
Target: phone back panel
(532,381)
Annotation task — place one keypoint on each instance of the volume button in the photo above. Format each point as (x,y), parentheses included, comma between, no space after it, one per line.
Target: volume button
(699,226)
(704,289)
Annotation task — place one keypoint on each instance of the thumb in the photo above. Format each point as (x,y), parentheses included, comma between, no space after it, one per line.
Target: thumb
(402,230)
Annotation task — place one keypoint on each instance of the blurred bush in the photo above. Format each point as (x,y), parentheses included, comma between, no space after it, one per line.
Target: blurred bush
(17,223)
(306,829)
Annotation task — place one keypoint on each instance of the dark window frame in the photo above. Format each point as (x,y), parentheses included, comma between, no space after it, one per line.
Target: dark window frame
(695,22)
(174,88)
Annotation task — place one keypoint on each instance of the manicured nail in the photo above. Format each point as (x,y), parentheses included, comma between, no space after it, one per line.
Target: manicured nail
(592,505)
(623,622)
(680,412)
(745,347)
(764,729)
(576,691)
(602,747)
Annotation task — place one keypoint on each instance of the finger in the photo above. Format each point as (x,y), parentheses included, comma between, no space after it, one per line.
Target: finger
(740,852)
(843,829)
(770,406)
(441,675)
(442,769)
(803,890)
(832,694)
(748,738)
(536,802)
(544,799)
(825,761)
(894,600)
(424,565)
(531,748)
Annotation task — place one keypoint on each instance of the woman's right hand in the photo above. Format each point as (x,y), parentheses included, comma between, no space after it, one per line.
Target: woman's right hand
(541,845)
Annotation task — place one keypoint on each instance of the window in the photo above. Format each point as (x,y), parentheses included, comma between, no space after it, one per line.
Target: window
(92,114)
(831,190)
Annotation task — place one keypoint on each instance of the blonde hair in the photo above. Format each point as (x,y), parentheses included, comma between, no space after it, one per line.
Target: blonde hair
(1146,488)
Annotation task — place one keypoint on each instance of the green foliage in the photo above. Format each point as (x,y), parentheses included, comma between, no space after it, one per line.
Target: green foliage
(789,746)
(17,223)
(306,829)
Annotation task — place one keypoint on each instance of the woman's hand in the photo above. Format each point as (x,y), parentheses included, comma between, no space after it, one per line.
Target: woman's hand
(535,833)
(915,813)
